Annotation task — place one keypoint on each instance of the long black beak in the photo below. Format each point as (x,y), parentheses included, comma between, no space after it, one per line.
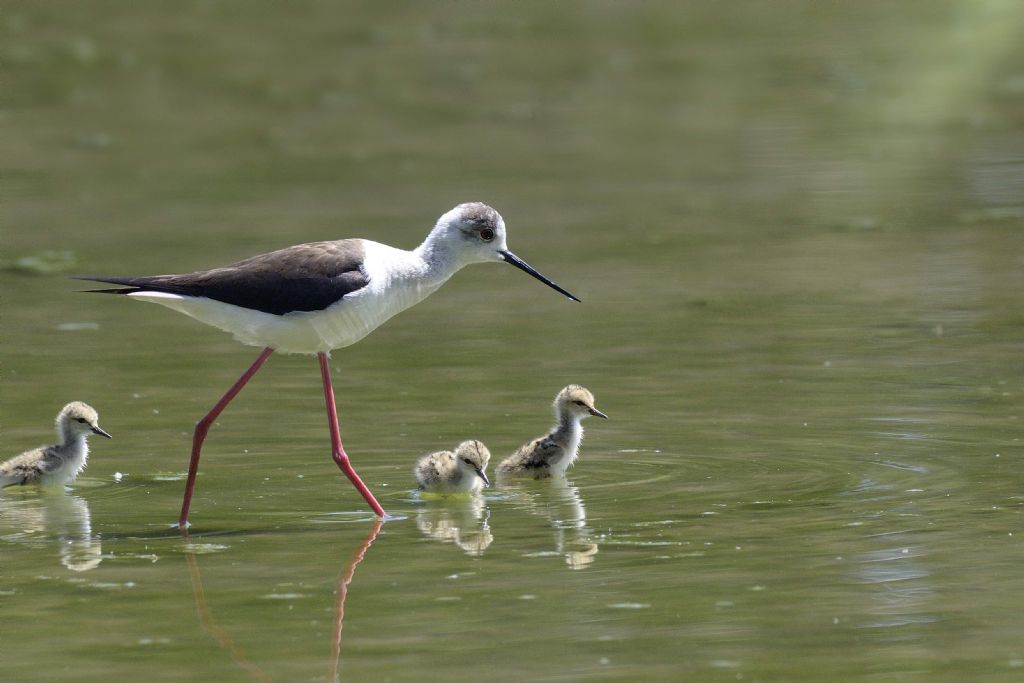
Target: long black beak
(527,268)
(597,413)
(98,430)
(480,473)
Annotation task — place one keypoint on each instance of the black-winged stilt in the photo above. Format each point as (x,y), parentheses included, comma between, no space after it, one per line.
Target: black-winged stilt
(313,298)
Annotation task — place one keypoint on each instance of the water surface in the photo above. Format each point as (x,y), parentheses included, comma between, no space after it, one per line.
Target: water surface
(795,229)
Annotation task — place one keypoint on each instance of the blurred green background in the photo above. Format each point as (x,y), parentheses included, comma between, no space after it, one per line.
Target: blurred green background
(796,230)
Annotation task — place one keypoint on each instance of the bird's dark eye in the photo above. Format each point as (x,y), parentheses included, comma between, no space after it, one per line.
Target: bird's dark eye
(487,234)
(81,419)
(466,460)
(580,403)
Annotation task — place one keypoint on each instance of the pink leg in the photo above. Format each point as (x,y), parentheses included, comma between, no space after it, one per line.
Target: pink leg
(203,426)
(337,451)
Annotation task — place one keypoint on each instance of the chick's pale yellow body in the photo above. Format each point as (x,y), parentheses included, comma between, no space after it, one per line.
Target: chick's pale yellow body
(557,450)
(60,463)
(461,471)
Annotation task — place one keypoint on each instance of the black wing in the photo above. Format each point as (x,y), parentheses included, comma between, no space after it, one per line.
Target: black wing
(306,277)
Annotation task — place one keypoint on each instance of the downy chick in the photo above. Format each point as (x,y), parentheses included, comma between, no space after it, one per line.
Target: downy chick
(458,472)
(60,463)
(557,450)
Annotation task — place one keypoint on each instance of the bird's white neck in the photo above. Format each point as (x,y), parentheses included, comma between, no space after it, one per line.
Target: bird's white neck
(75,453)
(569,426)
(68,436)
(568,432)
(437,254)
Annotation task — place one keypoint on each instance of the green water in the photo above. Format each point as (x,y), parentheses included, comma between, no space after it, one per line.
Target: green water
(796,231)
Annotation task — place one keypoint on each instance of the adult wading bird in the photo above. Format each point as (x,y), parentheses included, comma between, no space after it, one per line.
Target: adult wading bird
(317,297)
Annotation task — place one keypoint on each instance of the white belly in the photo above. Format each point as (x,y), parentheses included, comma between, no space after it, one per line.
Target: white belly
(569,454)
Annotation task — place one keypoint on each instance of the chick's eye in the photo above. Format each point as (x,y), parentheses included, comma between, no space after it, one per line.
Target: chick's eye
(487,234)
(81,419)
(580,403)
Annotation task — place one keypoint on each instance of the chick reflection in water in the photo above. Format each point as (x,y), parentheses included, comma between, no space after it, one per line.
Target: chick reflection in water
(57,517)
(461,520)
(559,502)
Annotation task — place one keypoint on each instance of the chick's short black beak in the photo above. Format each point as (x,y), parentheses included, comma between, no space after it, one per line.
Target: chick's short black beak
(522,265)
(98,430)
(597,413)
(480,473)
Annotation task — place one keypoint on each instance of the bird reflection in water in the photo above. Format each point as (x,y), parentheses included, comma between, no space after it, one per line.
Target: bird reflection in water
(223,637)
(53,515)
(560,503)
(342,590)
(462,520)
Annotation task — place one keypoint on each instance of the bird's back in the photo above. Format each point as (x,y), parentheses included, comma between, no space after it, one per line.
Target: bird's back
(304,277)
(534,457)
(434,469)
(30,467)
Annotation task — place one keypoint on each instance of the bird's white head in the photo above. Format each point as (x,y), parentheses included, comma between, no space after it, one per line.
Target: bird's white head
(472,458)
(78,419)
(475,233)
(576,401)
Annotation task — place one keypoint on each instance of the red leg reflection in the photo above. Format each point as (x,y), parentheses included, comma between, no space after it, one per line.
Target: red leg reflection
(235,650)
(343,583)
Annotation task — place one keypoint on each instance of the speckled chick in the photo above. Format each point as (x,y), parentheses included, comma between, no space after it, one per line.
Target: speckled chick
(556,451)
(458,472)
(58,464)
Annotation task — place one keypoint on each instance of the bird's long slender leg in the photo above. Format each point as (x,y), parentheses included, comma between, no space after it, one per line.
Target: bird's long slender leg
(337,451)
(203,426)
